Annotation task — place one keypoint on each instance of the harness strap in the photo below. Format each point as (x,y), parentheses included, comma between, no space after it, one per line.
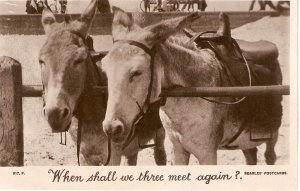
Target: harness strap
(108,152)
(199,36)
(61,138)
(153,109)
(149,51)
(79,138)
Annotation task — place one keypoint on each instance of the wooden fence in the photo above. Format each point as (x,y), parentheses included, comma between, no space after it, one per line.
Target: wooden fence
(11,117)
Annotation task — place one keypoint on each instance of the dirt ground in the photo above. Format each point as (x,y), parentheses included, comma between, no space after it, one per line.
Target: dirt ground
(42,147)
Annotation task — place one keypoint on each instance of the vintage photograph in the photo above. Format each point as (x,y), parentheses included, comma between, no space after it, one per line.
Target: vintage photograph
(144,82)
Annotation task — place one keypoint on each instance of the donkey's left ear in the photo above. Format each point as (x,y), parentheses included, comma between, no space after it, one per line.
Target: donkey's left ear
(161,31)
(83,24)
(47,20)
(122,23)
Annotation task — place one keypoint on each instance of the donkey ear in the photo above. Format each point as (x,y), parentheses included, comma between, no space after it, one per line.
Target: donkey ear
(122,18)
(83,24)
(224,28)
(47,20)
(122,22)
(161,31)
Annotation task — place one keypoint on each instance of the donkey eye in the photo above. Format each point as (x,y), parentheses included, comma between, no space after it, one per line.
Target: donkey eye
(41,62)
(77,62)
(134,74)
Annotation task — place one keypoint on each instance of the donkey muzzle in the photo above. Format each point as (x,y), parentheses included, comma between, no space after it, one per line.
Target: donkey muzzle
(59,118)
(114,129)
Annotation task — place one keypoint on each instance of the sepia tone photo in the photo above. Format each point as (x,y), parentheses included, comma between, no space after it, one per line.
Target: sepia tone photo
(144,83)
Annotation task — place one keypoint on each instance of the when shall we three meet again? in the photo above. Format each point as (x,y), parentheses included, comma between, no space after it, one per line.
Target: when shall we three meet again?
(145,176)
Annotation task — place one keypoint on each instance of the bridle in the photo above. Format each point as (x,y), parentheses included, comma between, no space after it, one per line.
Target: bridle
(145,108)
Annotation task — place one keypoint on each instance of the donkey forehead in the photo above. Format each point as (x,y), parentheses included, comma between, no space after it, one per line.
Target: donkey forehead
(64,37)
(124,53)
(61,42)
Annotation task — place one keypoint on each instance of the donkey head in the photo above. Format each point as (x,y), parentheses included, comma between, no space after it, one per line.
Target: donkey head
(128,71)
(63,60)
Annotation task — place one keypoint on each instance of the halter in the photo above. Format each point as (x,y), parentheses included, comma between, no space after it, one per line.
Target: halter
(147,103)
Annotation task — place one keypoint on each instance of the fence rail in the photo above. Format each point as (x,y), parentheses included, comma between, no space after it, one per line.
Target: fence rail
(36,91)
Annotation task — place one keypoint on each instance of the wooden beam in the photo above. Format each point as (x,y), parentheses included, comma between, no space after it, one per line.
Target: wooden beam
(36,91)
(227,91)
(11,118)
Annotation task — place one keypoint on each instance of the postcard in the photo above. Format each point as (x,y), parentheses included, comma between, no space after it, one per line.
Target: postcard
(148,94)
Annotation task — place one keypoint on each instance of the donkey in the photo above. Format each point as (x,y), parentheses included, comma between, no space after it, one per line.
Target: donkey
(67,72)
(143,61)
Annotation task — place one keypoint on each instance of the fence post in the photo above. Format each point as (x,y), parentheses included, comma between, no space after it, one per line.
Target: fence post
(11,118)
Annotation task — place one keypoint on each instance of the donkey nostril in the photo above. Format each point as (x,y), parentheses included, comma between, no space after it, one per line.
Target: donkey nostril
(65,113)
(44,112)
(108,132)
(113,129)
(118,129)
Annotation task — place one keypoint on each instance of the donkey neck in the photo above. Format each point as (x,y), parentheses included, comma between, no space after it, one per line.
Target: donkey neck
(185,65)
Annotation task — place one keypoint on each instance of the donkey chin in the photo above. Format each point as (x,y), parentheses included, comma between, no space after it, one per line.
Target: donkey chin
(58,127)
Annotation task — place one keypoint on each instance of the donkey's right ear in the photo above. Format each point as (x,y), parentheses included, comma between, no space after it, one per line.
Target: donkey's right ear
(161,31)
(122,22)
(48,19)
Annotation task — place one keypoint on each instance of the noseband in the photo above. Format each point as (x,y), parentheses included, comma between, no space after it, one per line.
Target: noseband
(145,108)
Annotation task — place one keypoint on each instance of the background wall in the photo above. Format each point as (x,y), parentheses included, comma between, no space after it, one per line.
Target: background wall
(76,6)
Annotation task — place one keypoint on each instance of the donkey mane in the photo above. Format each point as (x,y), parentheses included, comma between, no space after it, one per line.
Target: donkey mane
(193,65)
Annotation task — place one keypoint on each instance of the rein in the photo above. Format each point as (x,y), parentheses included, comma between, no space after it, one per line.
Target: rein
(147,103)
